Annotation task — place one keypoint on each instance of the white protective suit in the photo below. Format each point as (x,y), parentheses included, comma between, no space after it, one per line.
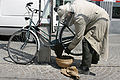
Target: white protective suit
(91,22)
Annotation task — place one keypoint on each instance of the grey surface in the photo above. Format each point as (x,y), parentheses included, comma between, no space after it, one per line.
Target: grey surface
(115,26)
(109,70)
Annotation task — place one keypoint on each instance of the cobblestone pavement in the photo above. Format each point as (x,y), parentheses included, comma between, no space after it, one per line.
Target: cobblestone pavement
(109,70)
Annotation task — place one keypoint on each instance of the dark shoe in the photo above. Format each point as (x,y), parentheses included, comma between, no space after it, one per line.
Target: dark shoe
(85,70)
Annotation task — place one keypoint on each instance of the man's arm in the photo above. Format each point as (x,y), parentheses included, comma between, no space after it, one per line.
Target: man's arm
(80,26)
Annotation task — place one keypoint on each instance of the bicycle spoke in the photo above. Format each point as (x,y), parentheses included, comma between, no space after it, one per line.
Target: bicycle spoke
(20,47)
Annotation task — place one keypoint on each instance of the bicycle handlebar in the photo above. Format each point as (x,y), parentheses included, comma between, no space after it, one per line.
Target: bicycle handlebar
(28,5)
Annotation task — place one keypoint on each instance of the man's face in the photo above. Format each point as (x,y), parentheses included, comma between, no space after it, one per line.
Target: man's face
(61,11)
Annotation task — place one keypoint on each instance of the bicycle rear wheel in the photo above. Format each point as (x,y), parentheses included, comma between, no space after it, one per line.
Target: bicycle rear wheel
(23,46)
(66,36)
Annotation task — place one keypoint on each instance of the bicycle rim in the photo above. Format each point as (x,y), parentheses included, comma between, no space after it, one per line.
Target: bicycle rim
(22,47)
(66,36)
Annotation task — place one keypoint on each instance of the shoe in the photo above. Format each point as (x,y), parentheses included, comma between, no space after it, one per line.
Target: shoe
(80,71)
(84,70)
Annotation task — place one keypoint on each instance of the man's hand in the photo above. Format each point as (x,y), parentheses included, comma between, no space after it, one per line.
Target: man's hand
(58,48)
(67,51)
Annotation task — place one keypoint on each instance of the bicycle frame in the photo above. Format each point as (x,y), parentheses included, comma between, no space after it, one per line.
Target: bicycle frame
(35,27)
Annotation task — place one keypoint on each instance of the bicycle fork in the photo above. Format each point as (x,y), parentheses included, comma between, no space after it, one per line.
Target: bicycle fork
(27,39)
(23,46)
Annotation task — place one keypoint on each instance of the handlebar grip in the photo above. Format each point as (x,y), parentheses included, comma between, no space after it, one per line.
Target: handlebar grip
(29,4)
(41,11)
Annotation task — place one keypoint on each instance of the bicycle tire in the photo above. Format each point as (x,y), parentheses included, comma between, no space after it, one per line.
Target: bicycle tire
(23,46)
(66,35)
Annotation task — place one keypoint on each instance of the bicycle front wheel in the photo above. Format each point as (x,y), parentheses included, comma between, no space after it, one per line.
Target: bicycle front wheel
(23,46)
(66,35)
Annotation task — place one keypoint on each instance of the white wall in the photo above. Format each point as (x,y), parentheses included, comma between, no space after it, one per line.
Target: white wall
(12,14)
(12,11)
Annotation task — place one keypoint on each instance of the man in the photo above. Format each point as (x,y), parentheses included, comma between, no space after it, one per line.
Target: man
(92,27)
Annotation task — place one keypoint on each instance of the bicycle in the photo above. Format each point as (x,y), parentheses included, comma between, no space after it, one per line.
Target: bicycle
(24,44)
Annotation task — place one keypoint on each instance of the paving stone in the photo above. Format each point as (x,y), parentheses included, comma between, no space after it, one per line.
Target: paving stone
(105,70)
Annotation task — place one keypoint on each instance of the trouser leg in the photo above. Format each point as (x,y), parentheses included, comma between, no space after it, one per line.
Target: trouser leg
(87,55)
(90,56)
(95,57)
(86,58)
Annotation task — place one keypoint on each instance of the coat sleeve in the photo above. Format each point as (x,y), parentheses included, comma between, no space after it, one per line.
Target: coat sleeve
(80,26)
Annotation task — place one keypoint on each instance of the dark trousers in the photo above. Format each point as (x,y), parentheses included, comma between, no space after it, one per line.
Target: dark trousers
(90,56)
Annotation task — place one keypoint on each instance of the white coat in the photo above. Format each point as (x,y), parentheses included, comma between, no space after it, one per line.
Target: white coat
(91,22)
